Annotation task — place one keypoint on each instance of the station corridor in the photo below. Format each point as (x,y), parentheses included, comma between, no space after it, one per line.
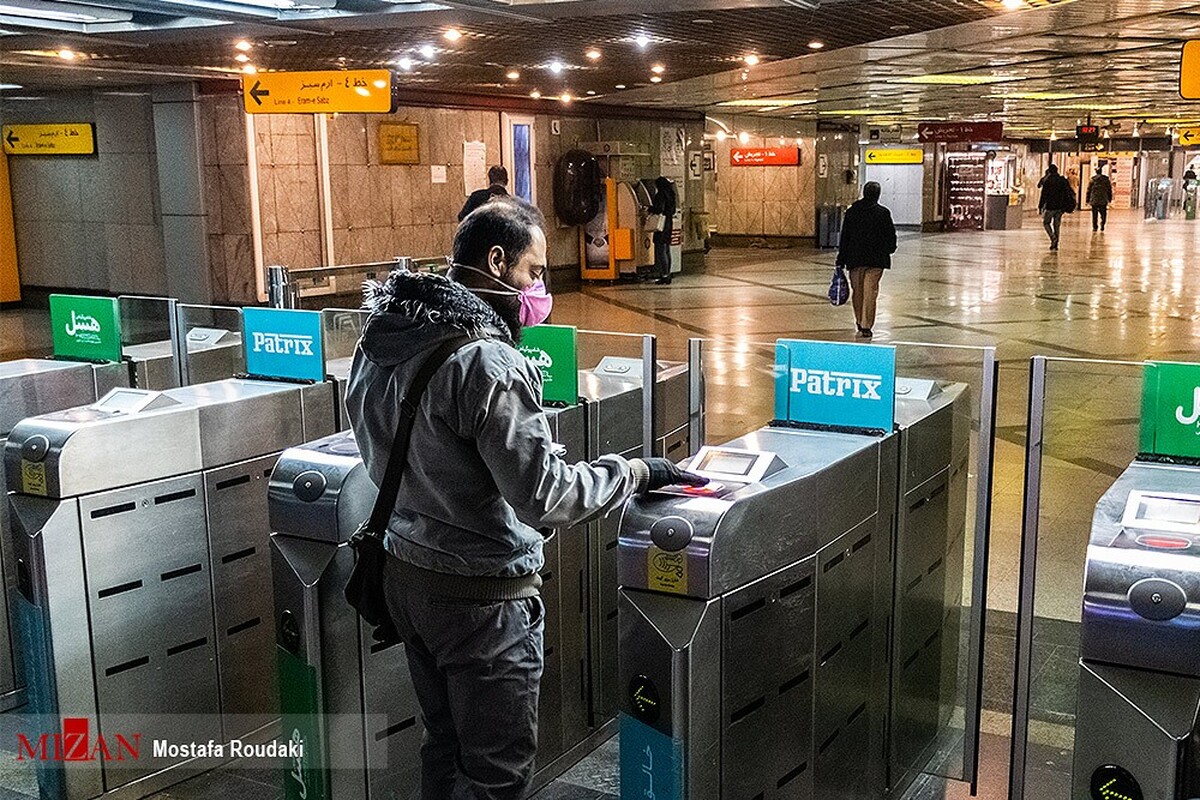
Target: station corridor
(1124,295)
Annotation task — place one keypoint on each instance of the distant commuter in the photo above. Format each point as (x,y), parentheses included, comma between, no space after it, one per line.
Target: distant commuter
(497,187)
(868,241)
(1099,195)
(1058,198)
(665,204)
(1190,175)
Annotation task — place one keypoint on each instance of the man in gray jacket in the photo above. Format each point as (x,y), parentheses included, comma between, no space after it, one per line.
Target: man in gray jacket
(482,478)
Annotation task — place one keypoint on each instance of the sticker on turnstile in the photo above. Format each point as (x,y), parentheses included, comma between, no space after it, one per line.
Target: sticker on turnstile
(666,572)
(33,477)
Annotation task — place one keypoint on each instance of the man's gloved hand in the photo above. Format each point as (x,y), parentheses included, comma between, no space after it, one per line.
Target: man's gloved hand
(662,472)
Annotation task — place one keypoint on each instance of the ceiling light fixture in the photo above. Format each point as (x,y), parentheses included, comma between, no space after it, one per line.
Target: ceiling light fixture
(67,55)
(404,63)
(656,79)
(1012,5)
(658,69)
(722,136)
(243,45)
(744,137)
(535,94)
(557,67)
(815,45)
(751,60)
(6,86)
(642,41)
(250,69)
(62,12)
(513,75)
(452,35)
(591,92)
(566,98)
(620,86)
(594,54)
(242,57)
(427,52)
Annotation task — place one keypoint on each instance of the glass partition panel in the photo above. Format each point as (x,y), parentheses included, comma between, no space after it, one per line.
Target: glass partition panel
(214,343)
(147,342)
(145,319)
(739,385)
(1083,434)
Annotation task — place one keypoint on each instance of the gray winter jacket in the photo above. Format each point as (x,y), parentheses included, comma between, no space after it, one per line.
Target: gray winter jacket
(481,474)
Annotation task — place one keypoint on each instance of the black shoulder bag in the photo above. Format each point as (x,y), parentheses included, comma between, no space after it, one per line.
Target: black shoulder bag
(364,588)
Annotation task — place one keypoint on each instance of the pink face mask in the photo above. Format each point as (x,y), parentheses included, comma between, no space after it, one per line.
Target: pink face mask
(535,301)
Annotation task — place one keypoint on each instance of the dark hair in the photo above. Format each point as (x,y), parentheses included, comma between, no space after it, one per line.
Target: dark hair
(872,191)
(1053,168)
(498,174)
(502,222)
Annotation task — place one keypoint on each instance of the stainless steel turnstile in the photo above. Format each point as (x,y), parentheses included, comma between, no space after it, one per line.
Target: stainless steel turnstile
(774,632)
(213,354)
(140,535)
(1137,727)
(319,495)
(29,387)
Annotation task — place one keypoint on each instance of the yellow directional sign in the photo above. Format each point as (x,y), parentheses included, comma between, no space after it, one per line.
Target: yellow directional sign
(363,91)
(893,156)
(1189,71)
(61,139)
(1189,137)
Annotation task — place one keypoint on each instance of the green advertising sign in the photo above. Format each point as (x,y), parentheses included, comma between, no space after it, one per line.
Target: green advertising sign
(85,328)
(1171,410)
(553,349)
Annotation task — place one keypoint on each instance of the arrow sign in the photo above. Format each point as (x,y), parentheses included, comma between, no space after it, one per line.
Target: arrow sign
(361,91)
(1189,135)
(51,139)
(11,139)
(895,156)
(764,156)
(258,93)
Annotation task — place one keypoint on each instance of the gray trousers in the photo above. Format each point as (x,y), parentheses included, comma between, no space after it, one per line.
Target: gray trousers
(476,667)
(1052,222)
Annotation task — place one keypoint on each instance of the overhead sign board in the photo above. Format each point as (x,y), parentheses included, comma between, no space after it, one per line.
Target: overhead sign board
(85,328)
(1189,137)
(283,343)
(842,385)
(57,139)
(1189,71)
(363,91)
(960,132)
(1171,410)
(553,350)
(1087,133)
(895,156)
(764,156)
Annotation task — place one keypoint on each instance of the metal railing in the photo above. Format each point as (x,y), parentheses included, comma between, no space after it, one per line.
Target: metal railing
(285,285)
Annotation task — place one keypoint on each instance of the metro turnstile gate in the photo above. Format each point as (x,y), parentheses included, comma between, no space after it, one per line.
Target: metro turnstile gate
(785,627)
(213,354)
(140,533)
(29,387)
(1137,729)
(320,493)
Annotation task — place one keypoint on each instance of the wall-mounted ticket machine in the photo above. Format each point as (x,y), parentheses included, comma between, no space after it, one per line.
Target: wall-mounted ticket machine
(1137,729)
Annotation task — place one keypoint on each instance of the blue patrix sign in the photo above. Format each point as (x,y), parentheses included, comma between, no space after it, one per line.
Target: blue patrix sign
(826,383)
(283,343)
(651,762)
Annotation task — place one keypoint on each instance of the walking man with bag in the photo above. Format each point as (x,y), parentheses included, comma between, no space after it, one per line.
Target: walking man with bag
(480,478)
(1057,198)
(868,242)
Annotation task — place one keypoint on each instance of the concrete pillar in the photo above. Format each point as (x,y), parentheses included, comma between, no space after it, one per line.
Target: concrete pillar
(177,134)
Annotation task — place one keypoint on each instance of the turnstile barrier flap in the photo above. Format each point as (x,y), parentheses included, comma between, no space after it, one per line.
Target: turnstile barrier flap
(128,437)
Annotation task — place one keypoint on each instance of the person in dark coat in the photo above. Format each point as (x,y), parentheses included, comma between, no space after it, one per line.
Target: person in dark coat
(868,241)
(1099,195)
(497,187)
(1058,198)
(665,202)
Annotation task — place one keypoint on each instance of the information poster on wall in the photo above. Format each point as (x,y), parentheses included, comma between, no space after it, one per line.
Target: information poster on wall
(474,166)
(673,159)
(399,143)
(437,173)
(1121,174)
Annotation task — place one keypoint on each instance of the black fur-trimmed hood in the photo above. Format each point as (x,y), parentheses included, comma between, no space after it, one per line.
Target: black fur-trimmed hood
(411,312)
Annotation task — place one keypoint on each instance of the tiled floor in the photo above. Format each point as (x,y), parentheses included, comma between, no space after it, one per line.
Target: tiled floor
(1127,294)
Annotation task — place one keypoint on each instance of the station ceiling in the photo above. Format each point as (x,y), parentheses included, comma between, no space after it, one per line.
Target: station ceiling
(1038,65)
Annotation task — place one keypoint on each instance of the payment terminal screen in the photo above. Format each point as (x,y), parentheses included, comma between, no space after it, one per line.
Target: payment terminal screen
(728,463)
(1169,509)
(122,401)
